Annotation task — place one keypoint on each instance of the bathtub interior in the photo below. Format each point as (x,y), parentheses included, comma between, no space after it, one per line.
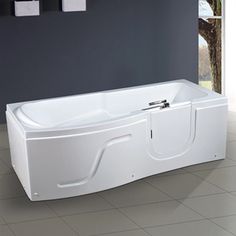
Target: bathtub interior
(103,106)
(62,111)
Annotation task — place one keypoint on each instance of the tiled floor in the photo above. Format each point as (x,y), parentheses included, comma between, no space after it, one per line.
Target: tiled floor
(197,200)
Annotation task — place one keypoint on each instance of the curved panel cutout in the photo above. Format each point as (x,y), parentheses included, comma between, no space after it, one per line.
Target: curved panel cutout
(109,143)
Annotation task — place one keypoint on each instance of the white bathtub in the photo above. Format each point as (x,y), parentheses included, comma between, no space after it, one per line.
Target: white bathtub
(81,144)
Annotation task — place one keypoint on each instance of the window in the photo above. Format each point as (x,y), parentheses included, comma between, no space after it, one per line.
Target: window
(210,44)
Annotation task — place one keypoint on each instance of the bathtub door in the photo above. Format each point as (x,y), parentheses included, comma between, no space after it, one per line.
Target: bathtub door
(172,131)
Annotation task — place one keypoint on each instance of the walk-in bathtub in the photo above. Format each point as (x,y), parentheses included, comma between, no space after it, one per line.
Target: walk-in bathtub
(86,143)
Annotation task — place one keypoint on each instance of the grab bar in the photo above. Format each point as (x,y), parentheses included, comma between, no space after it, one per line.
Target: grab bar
(157,102)
(161,106)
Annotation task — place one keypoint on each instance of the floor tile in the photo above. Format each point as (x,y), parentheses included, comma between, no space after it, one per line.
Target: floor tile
(231,116)
(129,233)
(184,186)
(22,209)
(228,223)
(231,137)
(231,127)
(76,205)
(199,228)
(134,194)
(4,169)
(99,222)
(4,140)
(213,206)
(48,227)
(5,231)
(3,127)
(5,157)
(211,165)
(1,221)
(231,150)
(234,193)
(160,213)
(10,186)
(223,177)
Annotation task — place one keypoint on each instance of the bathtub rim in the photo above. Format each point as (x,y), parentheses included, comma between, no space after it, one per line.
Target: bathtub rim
(72,131)
(32,132)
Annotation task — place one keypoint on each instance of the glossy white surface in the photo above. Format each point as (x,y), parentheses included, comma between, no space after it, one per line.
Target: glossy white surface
(84,110)
(80,144)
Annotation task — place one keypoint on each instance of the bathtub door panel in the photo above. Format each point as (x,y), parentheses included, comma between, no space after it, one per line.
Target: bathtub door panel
(171,131)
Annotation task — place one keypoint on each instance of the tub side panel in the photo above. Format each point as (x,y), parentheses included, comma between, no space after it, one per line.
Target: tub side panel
(72,165)
(211,132)
(18,150)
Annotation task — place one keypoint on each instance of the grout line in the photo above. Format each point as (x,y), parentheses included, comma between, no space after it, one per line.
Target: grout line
(122,231)
(115,207)
(184,222)
(9,173)
(6,169)
(216,168)
(225,191)
(9,227)
(209,194)
(115,232)
(205,195)
(209,218)
(61,218)
(231,159)
(180,203)
(178,223)
(4,149)
(11,198)
(4,221)
(143,204)
(233,140)
(222,228)
(25,221)
(33,220)
(144,229)
(218,217)
(233,193)
(119,209)
(137,204)
(82,213)
(206,218)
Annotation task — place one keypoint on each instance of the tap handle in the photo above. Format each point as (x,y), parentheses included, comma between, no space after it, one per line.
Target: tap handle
(157,102)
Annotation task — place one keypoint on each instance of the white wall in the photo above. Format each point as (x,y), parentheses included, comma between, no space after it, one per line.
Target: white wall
(230,52)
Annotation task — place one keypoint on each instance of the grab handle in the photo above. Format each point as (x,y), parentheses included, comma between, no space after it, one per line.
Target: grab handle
(161,106)
(157,102)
